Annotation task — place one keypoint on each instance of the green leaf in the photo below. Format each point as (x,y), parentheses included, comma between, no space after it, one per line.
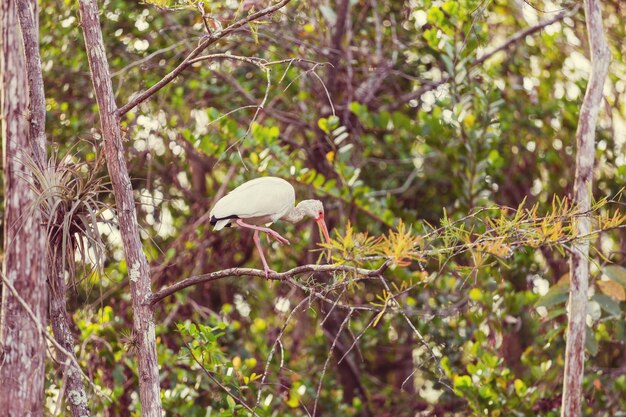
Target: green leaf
(475,294)
(432,37)
(358,109)
(616,273)
(520,387)
(556,312)
(463,381)
(447,61)
(608,304)
(322,123)
(328,124)
(557,294)
(591,344)
(231,402)
(333,122)
(319,181)
(401,120)
(435,16)
(451,7)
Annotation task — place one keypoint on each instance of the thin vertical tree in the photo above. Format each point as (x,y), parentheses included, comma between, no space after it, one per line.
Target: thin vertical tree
(139,272)
(22,368)
(579,261)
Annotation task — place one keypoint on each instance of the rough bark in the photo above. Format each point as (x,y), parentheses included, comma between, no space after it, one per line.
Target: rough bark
(75,388)
(22,366)
(61,328)
(27,13)
(579,261)
(139,272)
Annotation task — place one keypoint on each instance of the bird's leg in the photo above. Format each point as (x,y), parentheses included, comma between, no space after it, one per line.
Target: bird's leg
(267,230)
(257,242)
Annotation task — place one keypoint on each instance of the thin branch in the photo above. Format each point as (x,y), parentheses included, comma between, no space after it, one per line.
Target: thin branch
(273,349)
(250,272)
(420,338)
(357,338)
(330,100)
(40,327)
(219,384)
(528,31)
(505,45)
(149,57)
(330,354)
(399,190)
(205,43)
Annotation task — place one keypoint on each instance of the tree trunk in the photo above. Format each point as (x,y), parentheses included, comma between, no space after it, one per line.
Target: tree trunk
(22,368)
(61,328)
(29,27)
(139,273)
(75,388)
(579,262)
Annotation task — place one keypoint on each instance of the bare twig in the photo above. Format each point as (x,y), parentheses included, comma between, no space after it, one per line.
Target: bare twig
(273,349)
(330,354)
(526,32)
(205,43)
(420,338)
(357,338)
(219,384)
(150,57)
(399,190)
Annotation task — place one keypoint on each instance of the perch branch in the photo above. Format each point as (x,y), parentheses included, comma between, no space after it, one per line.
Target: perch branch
(250,272)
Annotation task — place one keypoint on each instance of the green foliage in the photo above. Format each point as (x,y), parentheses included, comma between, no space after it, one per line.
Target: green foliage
(462,189)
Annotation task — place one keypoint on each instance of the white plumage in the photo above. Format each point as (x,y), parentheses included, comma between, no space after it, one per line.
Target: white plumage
(260,201)
(263,201)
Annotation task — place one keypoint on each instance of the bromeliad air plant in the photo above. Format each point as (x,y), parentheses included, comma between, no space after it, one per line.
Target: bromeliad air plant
(71,197)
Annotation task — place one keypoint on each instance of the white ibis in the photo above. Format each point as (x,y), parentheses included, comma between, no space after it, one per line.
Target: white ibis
(263,201)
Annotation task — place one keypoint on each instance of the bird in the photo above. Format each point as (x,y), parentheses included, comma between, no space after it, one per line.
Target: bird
(258,203)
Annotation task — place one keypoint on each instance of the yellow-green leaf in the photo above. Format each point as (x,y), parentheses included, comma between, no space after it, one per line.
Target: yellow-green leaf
(612,289)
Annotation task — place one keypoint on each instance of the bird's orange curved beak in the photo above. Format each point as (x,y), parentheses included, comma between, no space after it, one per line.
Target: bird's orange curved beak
(322,225)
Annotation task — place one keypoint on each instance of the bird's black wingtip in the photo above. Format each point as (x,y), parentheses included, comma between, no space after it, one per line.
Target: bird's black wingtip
(213,221)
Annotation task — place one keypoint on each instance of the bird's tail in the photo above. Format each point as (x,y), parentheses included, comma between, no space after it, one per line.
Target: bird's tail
(219,224)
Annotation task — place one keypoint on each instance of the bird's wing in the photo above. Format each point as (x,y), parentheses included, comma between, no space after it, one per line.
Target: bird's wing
(261,197)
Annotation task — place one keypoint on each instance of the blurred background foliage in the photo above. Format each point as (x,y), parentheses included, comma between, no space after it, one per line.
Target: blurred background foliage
(386,111)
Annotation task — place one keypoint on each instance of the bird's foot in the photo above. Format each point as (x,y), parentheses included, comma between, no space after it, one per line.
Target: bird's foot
(279,238)
(268,272)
